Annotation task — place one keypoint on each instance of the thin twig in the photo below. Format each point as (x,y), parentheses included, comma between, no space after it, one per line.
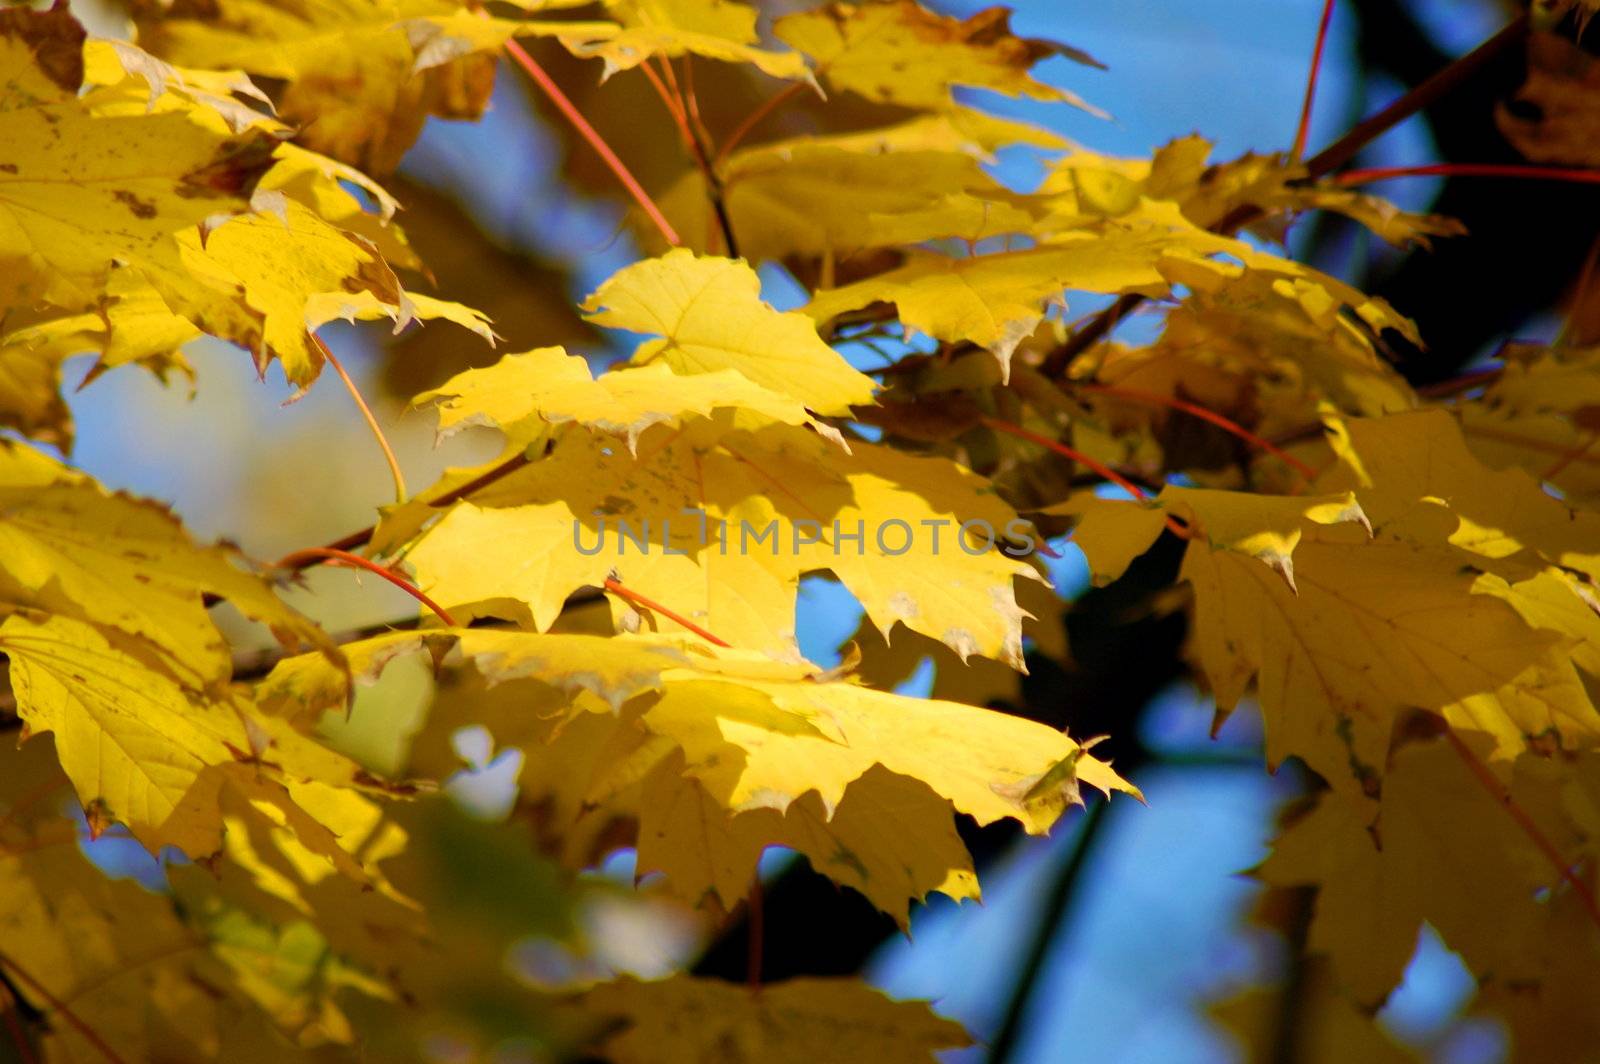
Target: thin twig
(362,536)
(1464,383)
(400,493)
(674,105)
(571,113)
(1196,410)
(1057,906)
(57,1005)
(691,100)
(614,586)
(1105,471)
(1424,95)
(305,559)
(1074,454)
(1511,170)
(1484,776)
(1324,162)
(756,117)
(1088,334)
(681,111)
(1303,130)
(1573,454)
(755,930)
(19,1035)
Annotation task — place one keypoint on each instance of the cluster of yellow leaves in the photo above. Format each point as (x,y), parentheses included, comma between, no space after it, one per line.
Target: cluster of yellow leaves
(1417,621)
(717,754)
(142,204)
(1410,577)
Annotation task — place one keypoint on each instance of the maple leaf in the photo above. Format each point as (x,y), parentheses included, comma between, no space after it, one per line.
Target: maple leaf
(759,733)
(361,76)
(904,54)
(1557,113)
(30,378)
(710,316)
(1269,340)
(138,970)
(890,838)
(1368,625)
(716,757)
(996,301)
(844,193)
(1438,824)
(78,190)
(72,549)
(142,751)
(1538,416)
(522,394)
(1327,1023)
(715,29)
(88,225)
(1404,466)
(1210,193)
(800,1020)
(732,519)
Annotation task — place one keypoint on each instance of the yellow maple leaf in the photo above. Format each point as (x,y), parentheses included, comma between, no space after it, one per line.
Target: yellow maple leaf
(1368,626)
(137,969)
(720,523)
(1211,193)
(1329,1026)
(168,763)
(902,53)
(72,549)
(81,191)
(840,194)
(710,316)
(799,1021)
(996,301)
(760,734)
(715,29)
(1406,465)
(361,76)
(1438,824)
(88,225)
(1268,343)
(891,838)
(523,394)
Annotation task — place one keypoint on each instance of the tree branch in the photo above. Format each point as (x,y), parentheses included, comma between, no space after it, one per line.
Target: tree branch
(1324,162)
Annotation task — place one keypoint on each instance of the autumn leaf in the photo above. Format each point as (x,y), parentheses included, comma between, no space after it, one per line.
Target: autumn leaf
(844,193)
(77,189)
(1437,823)
(891,838)
(726,548)
(521,394)
(724,30)
(137,969)
(361,76)
(902,53)
(709,315)
(684,1018)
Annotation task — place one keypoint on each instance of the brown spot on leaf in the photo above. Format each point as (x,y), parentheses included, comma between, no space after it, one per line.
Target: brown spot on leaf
(54,37)
(99,817)
(141,208)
